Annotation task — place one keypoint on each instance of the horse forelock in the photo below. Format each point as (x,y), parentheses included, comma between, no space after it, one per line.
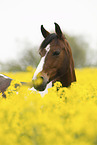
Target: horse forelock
(47,41)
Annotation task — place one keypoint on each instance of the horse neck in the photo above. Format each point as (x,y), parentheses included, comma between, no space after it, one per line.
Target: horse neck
(67,78)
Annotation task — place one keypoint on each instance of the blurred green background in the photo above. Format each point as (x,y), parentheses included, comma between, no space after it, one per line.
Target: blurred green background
(83,55)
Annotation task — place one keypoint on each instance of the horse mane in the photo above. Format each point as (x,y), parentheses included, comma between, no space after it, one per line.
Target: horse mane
(72,76)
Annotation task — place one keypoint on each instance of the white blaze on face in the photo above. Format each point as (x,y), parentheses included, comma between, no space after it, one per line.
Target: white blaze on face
(39,69)
(41,64)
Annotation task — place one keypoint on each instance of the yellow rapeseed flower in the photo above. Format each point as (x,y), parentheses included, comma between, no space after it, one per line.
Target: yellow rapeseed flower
(64,116)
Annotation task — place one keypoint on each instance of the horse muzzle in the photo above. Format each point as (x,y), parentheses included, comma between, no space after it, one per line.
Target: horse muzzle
(40,82)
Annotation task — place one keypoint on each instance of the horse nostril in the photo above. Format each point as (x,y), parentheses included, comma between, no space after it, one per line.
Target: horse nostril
(42,77)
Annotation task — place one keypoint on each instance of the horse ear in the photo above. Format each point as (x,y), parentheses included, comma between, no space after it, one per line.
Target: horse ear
(58,30)
(44,32)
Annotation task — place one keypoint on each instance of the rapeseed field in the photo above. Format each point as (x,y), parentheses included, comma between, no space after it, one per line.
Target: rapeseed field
(64,117)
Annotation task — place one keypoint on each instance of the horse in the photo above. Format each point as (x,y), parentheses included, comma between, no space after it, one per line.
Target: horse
(56,63)
(4,83)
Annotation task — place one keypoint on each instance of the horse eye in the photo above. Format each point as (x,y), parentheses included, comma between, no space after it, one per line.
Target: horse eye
(56,52)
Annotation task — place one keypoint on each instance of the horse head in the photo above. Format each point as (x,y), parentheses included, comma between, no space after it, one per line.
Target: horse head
(56,60)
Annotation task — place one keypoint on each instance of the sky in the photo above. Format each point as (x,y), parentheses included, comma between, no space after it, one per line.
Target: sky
(20,22)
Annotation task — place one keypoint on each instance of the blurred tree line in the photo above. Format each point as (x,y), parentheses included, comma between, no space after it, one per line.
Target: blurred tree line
(29,56)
